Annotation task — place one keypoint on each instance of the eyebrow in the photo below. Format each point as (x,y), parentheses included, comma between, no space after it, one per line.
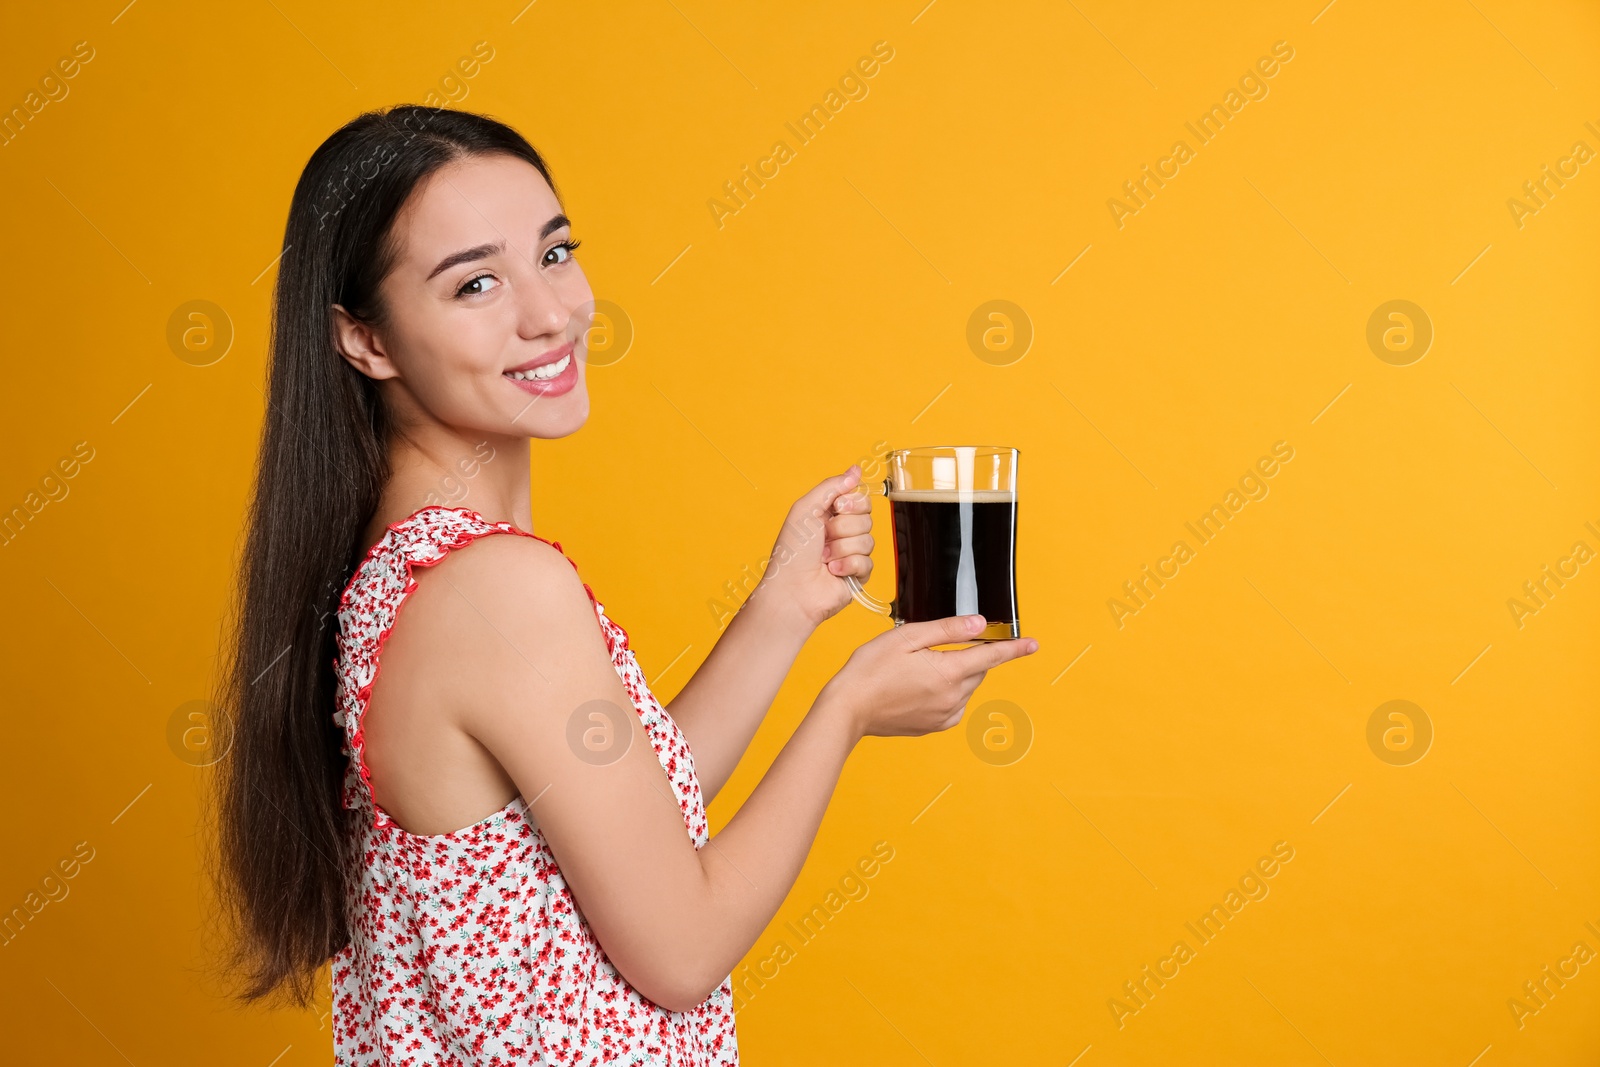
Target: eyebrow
(484,251)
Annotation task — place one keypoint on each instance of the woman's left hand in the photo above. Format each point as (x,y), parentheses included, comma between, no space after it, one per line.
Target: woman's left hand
(826,536)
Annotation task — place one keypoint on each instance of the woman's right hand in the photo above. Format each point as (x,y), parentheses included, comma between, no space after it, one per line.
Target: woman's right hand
(895,685)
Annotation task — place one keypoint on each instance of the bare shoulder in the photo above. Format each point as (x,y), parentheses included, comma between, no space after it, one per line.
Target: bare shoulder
(522,575)
(501,610)
(497,643)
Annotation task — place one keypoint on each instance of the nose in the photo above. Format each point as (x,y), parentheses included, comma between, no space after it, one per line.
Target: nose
(540,309)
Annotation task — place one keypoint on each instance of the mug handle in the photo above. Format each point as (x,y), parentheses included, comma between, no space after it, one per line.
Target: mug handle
(862,597)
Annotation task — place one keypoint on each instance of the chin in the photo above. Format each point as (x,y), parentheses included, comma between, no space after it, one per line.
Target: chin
(568,420)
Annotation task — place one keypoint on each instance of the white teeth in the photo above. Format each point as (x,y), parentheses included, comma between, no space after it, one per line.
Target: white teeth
(544,373)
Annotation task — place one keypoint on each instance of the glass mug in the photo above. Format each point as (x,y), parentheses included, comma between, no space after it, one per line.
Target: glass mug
(953,510)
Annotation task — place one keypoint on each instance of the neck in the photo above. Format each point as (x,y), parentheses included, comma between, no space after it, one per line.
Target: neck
(489,474)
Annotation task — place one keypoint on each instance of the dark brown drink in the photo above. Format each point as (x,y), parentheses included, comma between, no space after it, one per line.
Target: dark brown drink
(955,554)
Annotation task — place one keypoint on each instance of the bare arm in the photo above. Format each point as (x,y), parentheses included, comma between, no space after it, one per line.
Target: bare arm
(674,920)
(722,706)
(824,537)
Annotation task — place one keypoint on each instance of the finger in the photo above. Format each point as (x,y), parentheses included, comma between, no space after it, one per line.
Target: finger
(837,550)
(949,630)
(848,525)
(818,502)
(858,565)
(854,501)
(829,490)
(987,655)
(918,648)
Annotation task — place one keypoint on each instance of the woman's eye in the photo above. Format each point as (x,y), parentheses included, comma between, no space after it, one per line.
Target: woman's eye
(565,250)
(476,286)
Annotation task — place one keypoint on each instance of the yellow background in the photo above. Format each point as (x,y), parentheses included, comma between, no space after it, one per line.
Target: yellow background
(829,313)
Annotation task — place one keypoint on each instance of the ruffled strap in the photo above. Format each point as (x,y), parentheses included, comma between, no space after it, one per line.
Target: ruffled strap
(371,602)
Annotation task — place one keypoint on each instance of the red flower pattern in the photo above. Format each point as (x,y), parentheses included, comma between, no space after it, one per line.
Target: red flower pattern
(467,947)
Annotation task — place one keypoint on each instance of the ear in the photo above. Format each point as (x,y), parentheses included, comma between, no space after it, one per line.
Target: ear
(361,346)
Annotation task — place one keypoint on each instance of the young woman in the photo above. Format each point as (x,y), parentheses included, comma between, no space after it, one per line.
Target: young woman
(501,843)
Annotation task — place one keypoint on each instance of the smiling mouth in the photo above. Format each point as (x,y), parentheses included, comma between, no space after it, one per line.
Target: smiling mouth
(543,372)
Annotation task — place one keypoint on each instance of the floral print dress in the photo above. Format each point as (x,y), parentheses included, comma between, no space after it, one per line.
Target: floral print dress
(467,948)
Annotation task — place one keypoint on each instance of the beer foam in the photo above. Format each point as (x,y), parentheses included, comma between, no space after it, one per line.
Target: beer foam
(956,496)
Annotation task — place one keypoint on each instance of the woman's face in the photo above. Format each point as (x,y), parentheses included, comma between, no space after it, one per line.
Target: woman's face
(484,290)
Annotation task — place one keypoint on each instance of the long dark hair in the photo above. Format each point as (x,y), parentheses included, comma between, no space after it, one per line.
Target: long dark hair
(322,466)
